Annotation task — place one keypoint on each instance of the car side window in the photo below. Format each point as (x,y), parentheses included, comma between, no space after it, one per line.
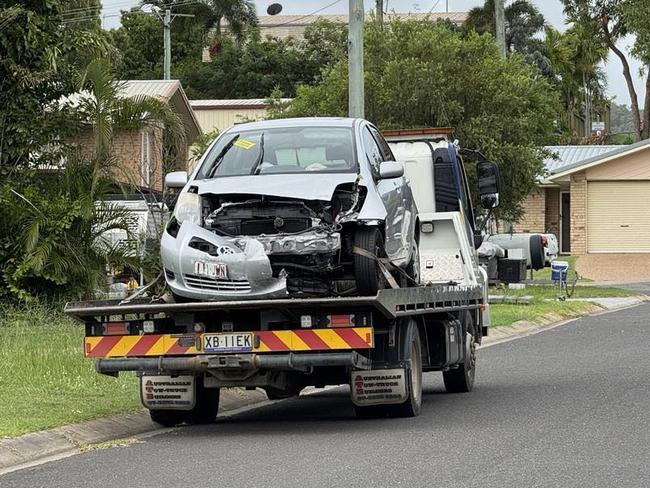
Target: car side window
(386,153)
(373,152)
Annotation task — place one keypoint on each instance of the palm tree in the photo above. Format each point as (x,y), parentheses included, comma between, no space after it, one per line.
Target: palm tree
(64,223)
(239,14)
(523,22)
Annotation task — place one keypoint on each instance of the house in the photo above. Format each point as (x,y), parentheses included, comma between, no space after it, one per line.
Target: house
(222,114)
(596,199)
(142,154)
(284,26)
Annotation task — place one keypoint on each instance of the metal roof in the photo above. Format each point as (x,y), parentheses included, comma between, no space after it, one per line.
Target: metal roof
(232,104)
(153,88)
(267,21)
(572,156)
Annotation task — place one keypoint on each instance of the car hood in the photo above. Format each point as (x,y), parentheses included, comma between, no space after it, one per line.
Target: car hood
(314,186)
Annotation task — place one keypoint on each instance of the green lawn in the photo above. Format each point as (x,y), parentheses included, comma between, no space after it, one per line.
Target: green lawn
(44,379)
(544,303)
(545,273)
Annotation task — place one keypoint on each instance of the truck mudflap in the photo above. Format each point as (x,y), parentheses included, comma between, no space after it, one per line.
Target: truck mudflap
(240,362)
(302,340)
(378,387)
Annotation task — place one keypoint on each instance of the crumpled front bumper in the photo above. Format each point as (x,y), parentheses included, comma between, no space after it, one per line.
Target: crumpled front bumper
(248,267)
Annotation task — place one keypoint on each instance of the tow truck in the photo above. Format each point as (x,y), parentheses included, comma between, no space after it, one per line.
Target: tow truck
(184,352)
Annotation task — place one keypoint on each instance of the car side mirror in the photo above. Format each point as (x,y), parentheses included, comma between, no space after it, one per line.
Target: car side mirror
(391,169)
(176,179)
(488,183)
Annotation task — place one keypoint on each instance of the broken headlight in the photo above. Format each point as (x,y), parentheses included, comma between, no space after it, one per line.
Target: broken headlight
(188,207)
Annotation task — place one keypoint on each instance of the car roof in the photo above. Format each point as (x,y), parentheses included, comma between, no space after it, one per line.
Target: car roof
(296,122)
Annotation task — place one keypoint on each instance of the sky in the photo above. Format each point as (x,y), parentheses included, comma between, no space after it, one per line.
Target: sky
(551,9)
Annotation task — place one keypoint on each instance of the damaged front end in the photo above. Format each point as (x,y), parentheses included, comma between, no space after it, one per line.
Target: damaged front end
(257,246)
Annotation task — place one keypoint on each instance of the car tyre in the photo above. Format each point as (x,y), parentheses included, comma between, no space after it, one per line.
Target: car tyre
(537,255)
(368,275)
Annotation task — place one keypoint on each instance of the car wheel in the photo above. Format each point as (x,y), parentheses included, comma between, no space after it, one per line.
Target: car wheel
(537,255)
(367,273)
(413,268)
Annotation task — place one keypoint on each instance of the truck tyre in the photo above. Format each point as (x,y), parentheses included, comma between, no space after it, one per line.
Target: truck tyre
(537,255)
(367,274)
(461,379)
(411,353)
(167,418)
(204,411)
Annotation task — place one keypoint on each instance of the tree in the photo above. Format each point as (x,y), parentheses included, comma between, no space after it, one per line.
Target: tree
(502,107)
(612,20)
(238,13)
(523,22)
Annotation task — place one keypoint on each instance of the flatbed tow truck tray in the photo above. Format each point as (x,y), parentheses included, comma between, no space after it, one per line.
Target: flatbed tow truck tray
(392,303)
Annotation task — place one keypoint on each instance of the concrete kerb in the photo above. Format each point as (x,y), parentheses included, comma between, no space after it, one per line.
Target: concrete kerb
(37,447)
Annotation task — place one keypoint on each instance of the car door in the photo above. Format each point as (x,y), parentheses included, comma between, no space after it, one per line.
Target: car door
(390,191)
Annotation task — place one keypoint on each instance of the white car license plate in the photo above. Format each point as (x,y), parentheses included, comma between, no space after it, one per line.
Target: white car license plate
(211,270)
(228,342)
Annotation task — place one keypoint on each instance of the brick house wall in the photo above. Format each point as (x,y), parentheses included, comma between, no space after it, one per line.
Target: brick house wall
(138,155)
(552,220)
(579,213)
(534,216)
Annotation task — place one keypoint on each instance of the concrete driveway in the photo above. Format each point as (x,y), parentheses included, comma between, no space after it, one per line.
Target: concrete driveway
(617,268)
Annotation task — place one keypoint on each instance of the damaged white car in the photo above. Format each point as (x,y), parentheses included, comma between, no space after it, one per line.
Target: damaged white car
(293,207)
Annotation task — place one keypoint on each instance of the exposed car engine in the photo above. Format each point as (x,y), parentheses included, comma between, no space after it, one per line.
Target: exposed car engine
(303,239)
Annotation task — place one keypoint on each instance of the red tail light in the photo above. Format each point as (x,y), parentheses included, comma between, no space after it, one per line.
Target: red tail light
(116,328)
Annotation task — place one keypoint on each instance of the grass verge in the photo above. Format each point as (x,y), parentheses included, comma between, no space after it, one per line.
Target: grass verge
(45,381)
(544,303)
(545,273)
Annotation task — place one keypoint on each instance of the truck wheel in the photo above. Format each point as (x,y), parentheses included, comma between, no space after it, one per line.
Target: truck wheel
(411,353)
(204,411)
(167,418)
(461,379)
(413,404)
(367,274)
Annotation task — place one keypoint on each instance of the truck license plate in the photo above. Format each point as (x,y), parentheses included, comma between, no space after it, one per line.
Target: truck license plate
(211,270)
(228,342)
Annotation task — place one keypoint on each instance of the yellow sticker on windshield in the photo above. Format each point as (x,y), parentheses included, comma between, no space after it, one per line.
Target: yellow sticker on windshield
(244,144)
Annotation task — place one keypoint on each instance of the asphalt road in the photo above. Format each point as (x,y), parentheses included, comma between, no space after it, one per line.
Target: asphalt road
(568,407)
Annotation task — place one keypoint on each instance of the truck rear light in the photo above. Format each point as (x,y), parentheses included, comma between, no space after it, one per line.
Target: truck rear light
(341,320)
(148,327)
(116,328)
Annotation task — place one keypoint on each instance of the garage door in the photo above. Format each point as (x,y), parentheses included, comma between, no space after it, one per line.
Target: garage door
(618,216)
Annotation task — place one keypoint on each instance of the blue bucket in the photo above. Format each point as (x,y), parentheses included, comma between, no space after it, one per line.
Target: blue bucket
(559,270)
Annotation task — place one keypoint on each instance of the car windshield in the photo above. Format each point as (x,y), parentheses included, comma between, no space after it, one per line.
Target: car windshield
(281,150)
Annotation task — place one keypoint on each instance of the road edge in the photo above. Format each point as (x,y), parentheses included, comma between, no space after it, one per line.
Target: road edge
(21,452)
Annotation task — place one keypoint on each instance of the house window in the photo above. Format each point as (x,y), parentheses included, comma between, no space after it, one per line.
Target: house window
(145,159)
